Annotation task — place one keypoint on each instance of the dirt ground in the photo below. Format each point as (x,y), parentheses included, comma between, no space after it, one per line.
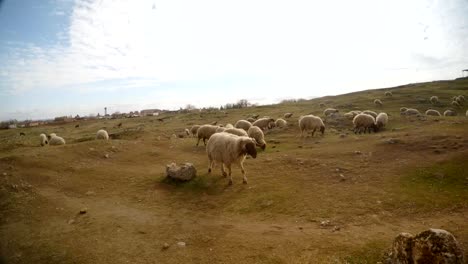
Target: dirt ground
(340,198)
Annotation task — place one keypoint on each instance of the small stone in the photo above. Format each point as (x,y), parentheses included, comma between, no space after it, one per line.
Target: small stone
(336,228)
(357,152)
(71,221)
(90,193)
(91,149)
(184,172)
(342,135)
(5,174)
(342,177)
(181,244)
(83,210)
(165,246)
(325,223)
(106,156)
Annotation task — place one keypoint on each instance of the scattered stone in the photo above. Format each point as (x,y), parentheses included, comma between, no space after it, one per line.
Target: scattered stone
(165,246)
(186,172)
(325,223)
(342,135)
(71,221)
(106,156)
(90,193)
(91,149)
(181,244)
(392,141)
(5,174)
(357,152)
(342,177)
(83,210)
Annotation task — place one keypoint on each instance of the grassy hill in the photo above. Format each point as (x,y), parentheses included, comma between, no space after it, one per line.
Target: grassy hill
(340,198)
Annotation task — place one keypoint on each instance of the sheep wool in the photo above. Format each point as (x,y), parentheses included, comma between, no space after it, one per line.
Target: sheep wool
(257,134)
(389,94)
(228,125)
(329,111)
(288,115)
(229,149)
(220,129)
(364,123)
(237,131)
(434,99)
(311,123)
(43,139)
(450,113)
(102,134)
(432,112)
(243,124)
(56,140)
(411,111)
(369,112)
(264,123)
(194,129)
(205,132)
(377,102)
(381,120)
(280,123)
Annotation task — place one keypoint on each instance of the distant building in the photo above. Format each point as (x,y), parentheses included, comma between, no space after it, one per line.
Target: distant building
(150,112)
(63,119)
(32,124)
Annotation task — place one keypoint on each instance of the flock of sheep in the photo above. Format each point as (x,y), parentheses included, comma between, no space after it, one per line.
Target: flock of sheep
(53,139)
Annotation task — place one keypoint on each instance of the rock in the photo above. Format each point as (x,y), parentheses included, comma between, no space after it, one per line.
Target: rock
(5,174)
(83,210)
(392,141)
(357,152)
(181,244)
(186,172)
(106,156)
(342,177)
(430,246)
(342,135)
(325,223)
(71,221)
(165,246)
(90,193)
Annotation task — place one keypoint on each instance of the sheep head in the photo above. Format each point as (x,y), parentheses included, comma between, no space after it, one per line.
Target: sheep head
(322,129)
(248,147)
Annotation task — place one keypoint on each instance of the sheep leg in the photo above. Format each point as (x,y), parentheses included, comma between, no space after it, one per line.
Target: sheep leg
(223,171)
(244,181)
(198,141)
(211,165)
(204,141)
(230,175)
(313,132)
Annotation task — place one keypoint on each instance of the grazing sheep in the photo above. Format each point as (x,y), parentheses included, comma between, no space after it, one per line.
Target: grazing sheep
(194,130)
(311,122)
(220,129)
(461,98)
(411,111)
(381,120)
(102,134)
(432,112)
(237,131)
(450,113)
(56,140)
(330,111)
(230,149)
(254,116)
(228,125)
(280,123)
(251,119)
(369,112)
(455,103)
(257,134)
(434,100)
(377,102)
(214,123)
(388,93)
(44,140)
(364,123)
(22,134)
(321,105)
(264,123)
(244,124)
(288,115)
(403,109)
(77,125)
(187,131)
(205,132)
(352,114)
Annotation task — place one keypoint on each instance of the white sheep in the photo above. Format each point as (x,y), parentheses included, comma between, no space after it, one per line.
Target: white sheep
(381,120)
(237,131)
(264,123)
(250,119)
(280,123)
(311,122)
(455,103)
(244,124)
(450,113)
(228,125)
(205,132)
(44,140)
(330,111)
(461,98)
(364,123)
(288,115)
(56,140)
(321,105)
(403,109)
(388,93)
(220,129)
(434,100)
(194,130)
(411,111)
(229,149)
(369,112)
(352,114)
(187,131)
(102,134)
(257,134)
(432,112)
(377,102)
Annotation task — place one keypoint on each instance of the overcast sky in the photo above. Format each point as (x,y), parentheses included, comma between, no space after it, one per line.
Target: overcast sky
(68,57)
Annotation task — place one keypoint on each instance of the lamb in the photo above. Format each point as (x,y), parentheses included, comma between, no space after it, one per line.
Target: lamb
(264,123)
(377,102)
(102,134)
(244,124)
(381,120)
(411,111)
(311,122)
(205,132)
(228,125)
(434,100)
(369,112)
(230,149)
(364,122)
(288,115)
(44,140)
(329,111)
(388,93)
(56,140)
(237,131)
(257,134)
(450,113)
(194,130)
(432,112)
(280,123)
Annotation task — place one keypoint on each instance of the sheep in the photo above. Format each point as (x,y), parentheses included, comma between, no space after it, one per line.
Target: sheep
(330,111)
(257,134)
(450,113)
(228,125)
(321,105)
(230,149)
(264,123)
(251,119)
(194,130)
(381,120)
(77,125)
(369,112)
(255,116)
(432,112)
(352,114)
(461,98)
(311,122)
(205,132)
(237,131)
(403,109)
(187,131)
(455,103)
(434,100)
(56,140)
(280,123)
(388,93)
(44,140)
(377,102)
(288,115)
(22,134)
(220,129)
(411,111)
(244,124)
(102,134)
(364,122)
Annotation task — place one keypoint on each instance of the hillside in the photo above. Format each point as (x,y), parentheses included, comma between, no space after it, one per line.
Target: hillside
(340,198)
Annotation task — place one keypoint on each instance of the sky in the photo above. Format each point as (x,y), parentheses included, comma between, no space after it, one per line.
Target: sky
(68,57)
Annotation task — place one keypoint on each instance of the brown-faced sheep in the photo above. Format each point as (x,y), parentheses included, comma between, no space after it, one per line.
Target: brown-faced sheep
(378,103)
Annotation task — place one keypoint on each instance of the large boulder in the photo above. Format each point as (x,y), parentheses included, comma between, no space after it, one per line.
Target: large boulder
(185,172)
(429,247)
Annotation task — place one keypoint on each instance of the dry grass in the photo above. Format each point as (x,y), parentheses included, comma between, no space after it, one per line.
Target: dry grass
(418,182)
